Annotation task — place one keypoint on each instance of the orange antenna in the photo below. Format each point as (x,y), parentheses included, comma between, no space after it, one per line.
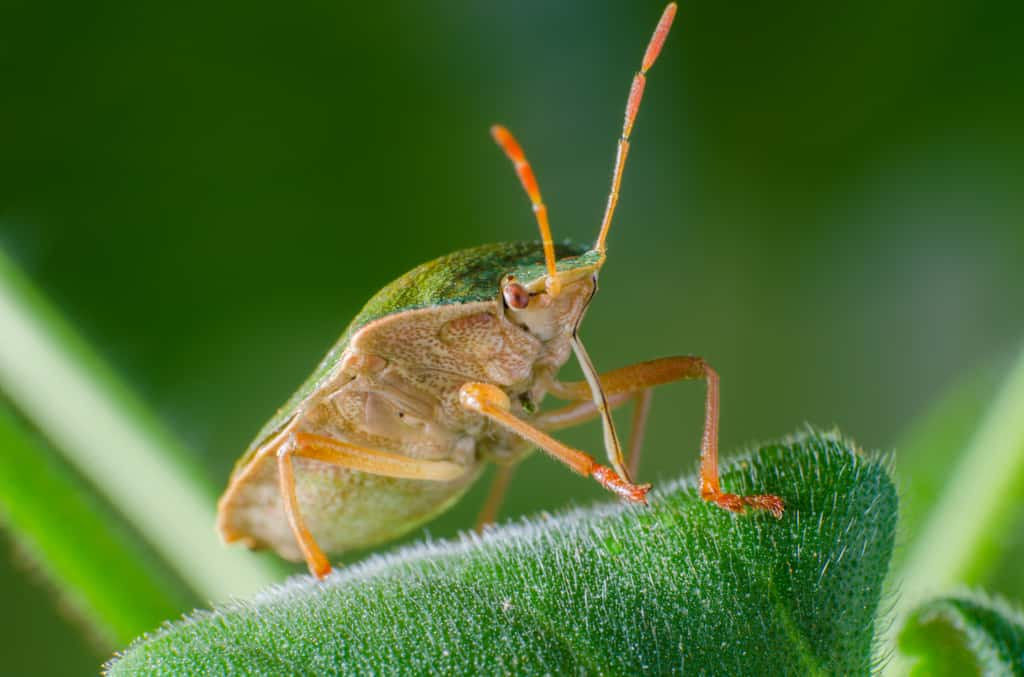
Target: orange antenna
(636,93)
(514,151)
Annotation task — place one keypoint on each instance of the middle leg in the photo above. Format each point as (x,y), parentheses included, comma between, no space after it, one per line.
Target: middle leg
(632,380)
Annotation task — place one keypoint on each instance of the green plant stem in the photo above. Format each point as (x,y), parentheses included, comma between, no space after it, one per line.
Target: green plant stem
(58,383)
(104,575)
(977,498)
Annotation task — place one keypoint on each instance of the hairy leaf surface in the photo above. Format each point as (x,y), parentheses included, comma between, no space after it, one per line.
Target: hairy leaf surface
(965,634)
(677,586)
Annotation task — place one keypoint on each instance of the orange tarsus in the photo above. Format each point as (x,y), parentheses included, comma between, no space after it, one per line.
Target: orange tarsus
(524,171)
(608,479)
(710,488)
(636,93)
(739,504)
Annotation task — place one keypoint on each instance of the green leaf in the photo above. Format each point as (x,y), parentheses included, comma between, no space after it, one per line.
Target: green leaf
(102,573)
(56,381)
(966,634)
(679,586)
(936,441)
(964,483)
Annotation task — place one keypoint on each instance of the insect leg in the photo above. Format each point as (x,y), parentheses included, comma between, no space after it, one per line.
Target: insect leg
(353,457)
(489,513)
(492,402)
(315,558)
(641,411)
(578,413)
(645,375)
(572,415)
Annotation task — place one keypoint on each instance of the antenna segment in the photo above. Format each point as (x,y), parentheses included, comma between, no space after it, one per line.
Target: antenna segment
(636,93)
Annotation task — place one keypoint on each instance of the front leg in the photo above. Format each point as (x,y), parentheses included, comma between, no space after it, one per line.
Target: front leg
(492,402)
(578,413)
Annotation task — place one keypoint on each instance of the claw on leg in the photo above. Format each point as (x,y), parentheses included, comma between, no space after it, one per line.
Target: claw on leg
(611,481)
(739,504)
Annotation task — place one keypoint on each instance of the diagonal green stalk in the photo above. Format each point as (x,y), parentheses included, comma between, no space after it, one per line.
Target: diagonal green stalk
(948,549)
(57,382)
(98,568)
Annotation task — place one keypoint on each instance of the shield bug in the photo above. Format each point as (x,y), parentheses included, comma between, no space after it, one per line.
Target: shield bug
(444,370)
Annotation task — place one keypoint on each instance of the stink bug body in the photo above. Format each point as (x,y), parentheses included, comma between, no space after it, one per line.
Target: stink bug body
(443,370)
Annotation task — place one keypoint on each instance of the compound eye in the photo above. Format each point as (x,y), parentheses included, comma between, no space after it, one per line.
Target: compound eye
(516,295)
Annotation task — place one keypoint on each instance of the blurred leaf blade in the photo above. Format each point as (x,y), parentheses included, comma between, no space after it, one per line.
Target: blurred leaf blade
(56,381)
(965,634)
(936,440)
(951,539)
(961,473)
(615,589)
(105,576)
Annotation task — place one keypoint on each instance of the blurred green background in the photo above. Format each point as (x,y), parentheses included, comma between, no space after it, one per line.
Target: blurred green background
(823,200)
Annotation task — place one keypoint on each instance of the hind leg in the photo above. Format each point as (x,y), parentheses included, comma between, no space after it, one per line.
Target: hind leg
(353,457)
